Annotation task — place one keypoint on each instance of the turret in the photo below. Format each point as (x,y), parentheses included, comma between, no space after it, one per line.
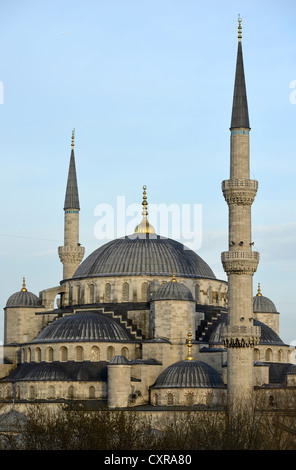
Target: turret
(240,262)
(71,254)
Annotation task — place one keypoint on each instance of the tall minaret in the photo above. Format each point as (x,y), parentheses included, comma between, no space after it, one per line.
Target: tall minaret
(240,262)
(71,254)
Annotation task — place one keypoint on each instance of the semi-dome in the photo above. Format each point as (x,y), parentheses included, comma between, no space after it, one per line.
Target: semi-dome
(83,326)
(189,374)
(173,291)
(23,298)
(59,371)
(263,304)
(144,254)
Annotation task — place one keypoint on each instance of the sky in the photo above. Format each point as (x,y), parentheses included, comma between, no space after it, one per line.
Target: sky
(148,87)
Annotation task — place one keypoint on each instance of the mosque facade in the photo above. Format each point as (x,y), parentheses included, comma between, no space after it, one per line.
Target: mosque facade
(143,320)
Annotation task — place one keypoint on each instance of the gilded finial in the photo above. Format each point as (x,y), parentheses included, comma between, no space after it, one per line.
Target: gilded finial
(174,275)
(189,346)
(144,226)
(24,286)
(259,291)
(72,140)
(239,29)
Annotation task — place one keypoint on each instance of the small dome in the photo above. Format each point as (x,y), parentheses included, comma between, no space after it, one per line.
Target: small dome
(189,374)
(83,326)
(173,291)
(119,360)
(23,298)
(263,304)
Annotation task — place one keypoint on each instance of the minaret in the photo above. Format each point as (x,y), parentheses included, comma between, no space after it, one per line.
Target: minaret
(71,254)
(240,262)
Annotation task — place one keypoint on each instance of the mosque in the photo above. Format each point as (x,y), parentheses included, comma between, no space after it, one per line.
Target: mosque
(143,321)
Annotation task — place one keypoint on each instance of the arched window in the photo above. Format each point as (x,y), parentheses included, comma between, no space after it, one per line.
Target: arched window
(70,295)
(79,294)
(92,392)
(107,292)
(138,352)
(210,295)
(144,292)
(28,355)
(280,355)
(124,352)
(268,355)
(32,392)
(79,353)
(170,399)
(91,294)
(110,353)
(209,398)
(196,292)
(63,354)
(37,354)
(95,354)
(125,292)
(256,354)
(49,354)
(51,392)
(189,398)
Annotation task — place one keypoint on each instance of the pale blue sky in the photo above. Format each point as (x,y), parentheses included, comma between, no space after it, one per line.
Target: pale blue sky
(148,87)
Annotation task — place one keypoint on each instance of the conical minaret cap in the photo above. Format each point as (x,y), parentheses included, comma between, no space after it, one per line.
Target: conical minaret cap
(72,197)
(240,113)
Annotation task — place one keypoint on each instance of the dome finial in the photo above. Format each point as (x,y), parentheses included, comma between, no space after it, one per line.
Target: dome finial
(239,29)
(189,345)
(24,285)
(144,226)
(259,291)
(174,276)
(72,140)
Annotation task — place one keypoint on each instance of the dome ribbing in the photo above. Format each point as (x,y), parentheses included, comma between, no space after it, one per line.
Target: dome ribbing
(144,254)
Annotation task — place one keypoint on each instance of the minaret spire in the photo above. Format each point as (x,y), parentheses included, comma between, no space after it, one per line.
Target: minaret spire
(71,254)
(240,113)
(72,197)
(240,262)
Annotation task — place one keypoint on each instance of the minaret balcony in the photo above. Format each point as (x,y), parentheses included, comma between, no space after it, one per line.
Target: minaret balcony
(240,262)
(241,336)
(240,191)
(71,253)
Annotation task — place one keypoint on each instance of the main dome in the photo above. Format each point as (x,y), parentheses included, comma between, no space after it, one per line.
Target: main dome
(144,254)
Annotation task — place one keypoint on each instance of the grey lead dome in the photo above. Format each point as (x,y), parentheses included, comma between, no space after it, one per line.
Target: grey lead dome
(141,254)
(23,299)
(263,304)
(173,291)
(187,374)
(83,326)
